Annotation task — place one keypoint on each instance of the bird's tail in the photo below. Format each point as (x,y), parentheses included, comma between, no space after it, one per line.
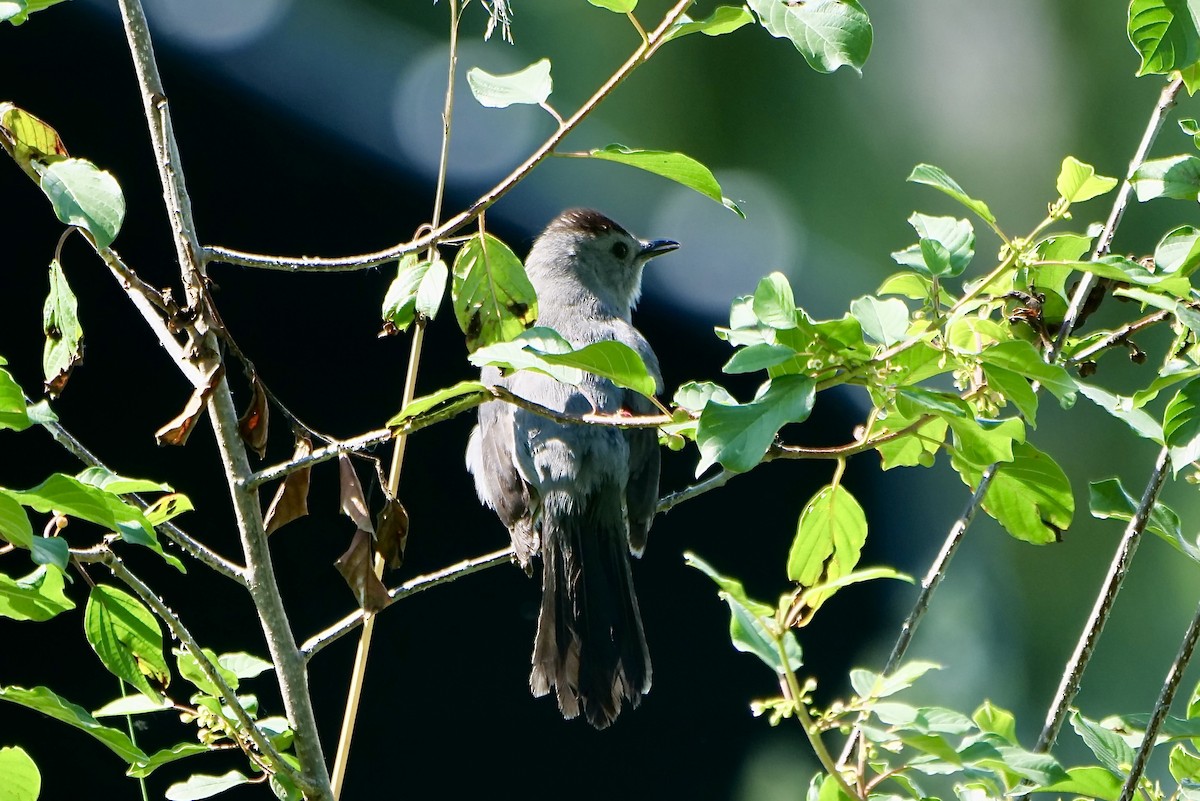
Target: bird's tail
(590,646)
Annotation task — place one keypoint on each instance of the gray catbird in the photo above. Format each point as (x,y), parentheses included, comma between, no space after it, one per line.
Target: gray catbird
(582,497)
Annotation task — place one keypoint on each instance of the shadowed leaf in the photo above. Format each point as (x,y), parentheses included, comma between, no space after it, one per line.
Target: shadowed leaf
(291,499)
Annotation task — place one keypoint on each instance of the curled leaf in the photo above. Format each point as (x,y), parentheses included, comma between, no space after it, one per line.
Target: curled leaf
(356,567)
(291,499)
(252,425)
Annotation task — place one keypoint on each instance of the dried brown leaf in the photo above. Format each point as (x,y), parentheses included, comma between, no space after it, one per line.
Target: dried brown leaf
(252,425)
(291,499)
(177,431)
(354,506)
(357,567)
(391,533)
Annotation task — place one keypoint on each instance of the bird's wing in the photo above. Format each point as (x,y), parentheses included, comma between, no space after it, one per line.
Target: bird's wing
(492,459)
(641,494)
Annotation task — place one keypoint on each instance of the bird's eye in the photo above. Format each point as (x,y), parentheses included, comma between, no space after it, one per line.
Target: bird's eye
(620,250)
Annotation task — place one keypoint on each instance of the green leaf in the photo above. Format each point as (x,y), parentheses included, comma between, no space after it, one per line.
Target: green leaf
(1078,182)
(38,596)
(738,436)
(885,321)
(190,669)
(984,442)
(86,196)
(1089,782)
(14,413)
(1020,357)
(1108,747)
(41,699)
(937,178)
(493,299)
(64,336)
(466,392)
(1123,409)
(1016,390)
(545,351)
(160,758)
(1176,177)
(1030,496)
(618,6)
(127,638)
(757,357)
(1164,34)
(694,395)
(17,11)
(1181,425)
(829,537)
(828,33)
(673,166)
(868,684)
(1184,765)
(416,290)
(724,19)
(119,485)
(14,522)
(909,285)
(956,237)
(530,86)
(752,625)
(1179,251)
(1126,270)
(134,704)
(204,786)
(22,781)
(773,303)
(1001,722)
(244,665)
(917,448)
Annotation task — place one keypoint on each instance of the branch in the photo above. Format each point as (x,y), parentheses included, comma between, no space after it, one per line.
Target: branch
(347,263)
(1170,686)
(259,571)
(181,633)
(1118,337)
(1073,674)
(1166,100)
(929,584)
(318,641)
(189,544)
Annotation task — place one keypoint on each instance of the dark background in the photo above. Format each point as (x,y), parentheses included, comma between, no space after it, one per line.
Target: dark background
(301,132)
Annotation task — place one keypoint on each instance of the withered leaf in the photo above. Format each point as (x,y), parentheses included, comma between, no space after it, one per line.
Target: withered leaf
(291,499)
(64,336)
(391,533)
(354,506)
(177,431)
(252,425)
(357,568)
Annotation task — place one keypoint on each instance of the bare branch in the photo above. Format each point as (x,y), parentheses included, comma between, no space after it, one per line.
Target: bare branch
(439,233)
(318,641)
(1073,674)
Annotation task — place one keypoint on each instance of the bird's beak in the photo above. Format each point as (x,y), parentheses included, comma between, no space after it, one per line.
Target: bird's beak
(657,247)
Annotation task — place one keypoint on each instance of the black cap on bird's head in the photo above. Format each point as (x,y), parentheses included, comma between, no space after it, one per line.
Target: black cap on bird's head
(585,246)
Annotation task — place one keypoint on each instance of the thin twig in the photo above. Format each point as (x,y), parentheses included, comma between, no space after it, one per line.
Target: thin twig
(189,544)
(439,234)
(1166,100)
(1163,705)
(313,777)
(228,694)
(1073,673)
(1118,337)
(318,641)
(929,584)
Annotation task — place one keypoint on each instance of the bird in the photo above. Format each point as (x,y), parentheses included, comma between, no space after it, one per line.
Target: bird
(579,497)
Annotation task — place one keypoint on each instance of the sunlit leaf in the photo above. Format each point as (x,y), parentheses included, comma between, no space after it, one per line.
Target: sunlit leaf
(828,33)
(127,638)
(38,596)
(64,336)
(937,178)
(1164,34)
(673,166)
(22,781)
(493,299)
(44,700)
(86,196)
(723,19)
(529,86)
(1078,182)
(738,436)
